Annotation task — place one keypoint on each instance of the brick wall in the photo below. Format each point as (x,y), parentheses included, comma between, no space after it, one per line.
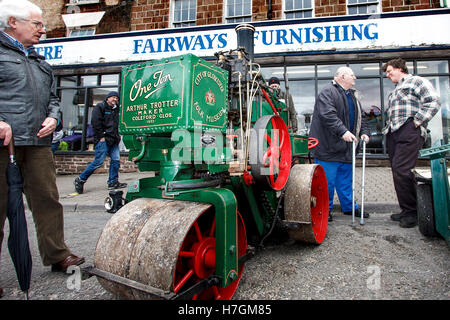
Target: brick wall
(149,14)
(209,12)
(76,163)
(51,14)
(327,8)
(404,5)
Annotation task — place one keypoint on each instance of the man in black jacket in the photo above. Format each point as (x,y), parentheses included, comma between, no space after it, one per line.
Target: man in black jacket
(105,122)
(337,121)
(29,113)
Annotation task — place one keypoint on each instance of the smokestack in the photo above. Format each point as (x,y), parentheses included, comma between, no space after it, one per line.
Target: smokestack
(245,38)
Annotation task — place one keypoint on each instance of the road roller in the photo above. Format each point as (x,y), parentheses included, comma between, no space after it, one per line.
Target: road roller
(221,170)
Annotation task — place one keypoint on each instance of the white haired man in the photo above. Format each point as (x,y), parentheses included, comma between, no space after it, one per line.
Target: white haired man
(337,121)
(29,113)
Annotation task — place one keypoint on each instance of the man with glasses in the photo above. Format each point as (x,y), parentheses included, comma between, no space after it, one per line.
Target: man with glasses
(337,121)
(29,113)
(412,104)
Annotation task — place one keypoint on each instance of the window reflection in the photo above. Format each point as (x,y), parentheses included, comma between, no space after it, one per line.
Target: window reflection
(303,94)
(365,69)
(427,67)
(328,70)
(368,93)
(89,81)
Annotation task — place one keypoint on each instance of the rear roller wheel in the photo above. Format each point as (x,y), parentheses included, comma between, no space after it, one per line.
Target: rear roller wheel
(166,244)
(306,203)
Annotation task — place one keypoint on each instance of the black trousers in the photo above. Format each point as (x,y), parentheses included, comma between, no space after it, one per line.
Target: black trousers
(403,147)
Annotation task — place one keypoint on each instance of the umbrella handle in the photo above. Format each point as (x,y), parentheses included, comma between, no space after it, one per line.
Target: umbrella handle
(11,150)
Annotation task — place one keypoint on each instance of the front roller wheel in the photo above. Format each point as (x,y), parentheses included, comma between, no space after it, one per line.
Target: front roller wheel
(172,248)
(306,203)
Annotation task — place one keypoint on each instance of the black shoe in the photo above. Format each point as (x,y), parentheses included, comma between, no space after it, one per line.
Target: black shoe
(79,185)
(396,217)
(408,222)
(116,185)
(357,214)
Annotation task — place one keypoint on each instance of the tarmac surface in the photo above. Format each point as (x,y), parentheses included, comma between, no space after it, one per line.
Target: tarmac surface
(377,261)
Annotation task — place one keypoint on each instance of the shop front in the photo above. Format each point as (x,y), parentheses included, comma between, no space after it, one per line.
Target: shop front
(304,54)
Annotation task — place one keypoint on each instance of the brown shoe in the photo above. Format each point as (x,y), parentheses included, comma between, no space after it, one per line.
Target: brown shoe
(71,260)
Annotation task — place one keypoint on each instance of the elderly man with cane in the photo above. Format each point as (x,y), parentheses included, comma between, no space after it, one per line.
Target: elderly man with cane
(338,120)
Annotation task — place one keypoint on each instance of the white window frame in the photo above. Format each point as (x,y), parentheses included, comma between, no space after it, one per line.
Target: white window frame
(87,28)
(365,4)
(182,23)
(81,2)
(285,11)
(232,19)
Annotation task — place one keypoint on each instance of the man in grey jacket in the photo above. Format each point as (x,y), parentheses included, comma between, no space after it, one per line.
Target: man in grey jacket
(29,113)
(337,121)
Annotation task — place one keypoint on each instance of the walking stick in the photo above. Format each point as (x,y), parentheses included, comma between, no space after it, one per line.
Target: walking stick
(361,221)
(353,180)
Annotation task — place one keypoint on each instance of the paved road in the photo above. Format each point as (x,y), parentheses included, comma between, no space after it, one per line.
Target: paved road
(375,261)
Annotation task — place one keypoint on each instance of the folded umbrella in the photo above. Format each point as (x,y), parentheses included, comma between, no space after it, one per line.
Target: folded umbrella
(18,245)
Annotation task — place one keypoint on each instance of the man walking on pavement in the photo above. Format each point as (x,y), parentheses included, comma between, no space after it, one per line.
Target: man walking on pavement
(412,104)
(337,121)
(105,122)
(29,113)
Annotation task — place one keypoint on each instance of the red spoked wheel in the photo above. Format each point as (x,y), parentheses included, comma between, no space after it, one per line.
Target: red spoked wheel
(312,143)
(197,257)
(270,152)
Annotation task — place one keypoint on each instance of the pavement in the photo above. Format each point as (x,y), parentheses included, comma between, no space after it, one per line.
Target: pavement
(375,261)
(379,193)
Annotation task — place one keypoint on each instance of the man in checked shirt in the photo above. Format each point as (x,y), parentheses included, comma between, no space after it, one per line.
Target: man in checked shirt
(412,104)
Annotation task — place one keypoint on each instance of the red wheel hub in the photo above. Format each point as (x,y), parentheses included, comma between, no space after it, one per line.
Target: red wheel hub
(197,258)
(272,141)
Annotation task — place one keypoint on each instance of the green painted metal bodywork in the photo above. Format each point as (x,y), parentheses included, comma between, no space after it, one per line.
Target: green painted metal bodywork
(180,92)
(173,119)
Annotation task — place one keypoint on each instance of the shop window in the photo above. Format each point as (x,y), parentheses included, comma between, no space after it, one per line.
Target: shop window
(301,72)
(439,125)
(184,13)
(109,79)
(368,93)
(362,7)
(238,11)
(294,9)
(432,67)
(365,69)
(89,81)
(68,81)
(327,70)
(303,94)
(268,73)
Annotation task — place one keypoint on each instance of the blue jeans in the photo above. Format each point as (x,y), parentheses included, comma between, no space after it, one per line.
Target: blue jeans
(101,151)
(339,176)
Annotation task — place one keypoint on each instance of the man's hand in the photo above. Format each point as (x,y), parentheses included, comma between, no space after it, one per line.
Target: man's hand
(365,137)
(349,137)
(49,125)
(5,132)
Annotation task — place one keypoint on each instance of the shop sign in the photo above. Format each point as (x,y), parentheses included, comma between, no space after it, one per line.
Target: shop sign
(373,33)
